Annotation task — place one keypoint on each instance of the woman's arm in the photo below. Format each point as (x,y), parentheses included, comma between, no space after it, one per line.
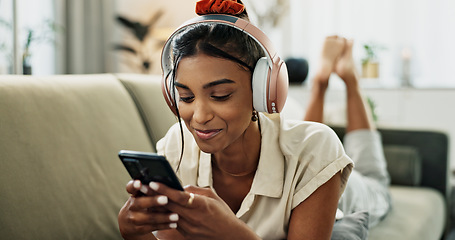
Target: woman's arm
(314,217)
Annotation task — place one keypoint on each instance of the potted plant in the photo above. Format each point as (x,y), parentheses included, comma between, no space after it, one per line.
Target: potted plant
(370,63)
(141,32)
(37,35)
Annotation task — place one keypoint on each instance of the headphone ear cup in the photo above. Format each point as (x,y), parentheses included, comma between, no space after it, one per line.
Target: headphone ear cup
(167,93)
(260,85)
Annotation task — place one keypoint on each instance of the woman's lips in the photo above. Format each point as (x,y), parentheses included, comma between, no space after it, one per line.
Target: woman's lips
(207,134)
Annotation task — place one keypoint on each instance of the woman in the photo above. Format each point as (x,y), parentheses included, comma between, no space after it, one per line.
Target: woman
(250,175)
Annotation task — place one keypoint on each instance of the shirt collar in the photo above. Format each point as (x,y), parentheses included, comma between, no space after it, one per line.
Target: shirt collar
(205,170)
(269,178)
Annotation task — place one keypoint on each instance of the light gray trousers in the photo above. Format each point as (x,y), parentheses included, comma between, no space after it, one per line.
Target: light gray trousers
(368,186)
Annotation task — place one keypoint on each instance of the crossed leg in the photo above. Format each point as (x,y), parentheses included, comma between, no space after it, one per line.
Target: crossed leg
(337,57)
(367,188)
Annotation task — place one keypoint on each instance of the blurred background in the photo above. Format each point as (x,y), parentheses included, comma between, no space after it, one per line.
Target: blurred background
(410,40)
(403,49)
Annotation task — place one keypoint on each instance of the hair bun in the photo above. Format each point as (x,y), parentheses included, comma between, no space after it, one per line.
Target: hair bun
(231,7)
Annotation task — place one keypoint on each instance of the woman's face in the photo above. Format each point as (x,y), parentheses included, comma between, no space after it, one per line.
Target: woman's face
(216,101)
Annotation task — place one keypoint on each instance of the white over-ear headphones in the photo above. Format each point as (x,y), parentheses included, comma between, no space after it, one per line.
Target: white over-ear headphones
(270,76)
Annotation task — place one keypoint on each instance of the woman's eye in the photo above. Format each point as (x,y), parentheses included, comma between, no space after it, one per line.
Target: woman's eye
(221,98)
(186,99)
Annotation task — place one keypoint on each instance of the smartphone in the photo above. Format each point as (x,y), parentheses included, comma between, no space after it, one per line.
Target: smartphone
(148,167)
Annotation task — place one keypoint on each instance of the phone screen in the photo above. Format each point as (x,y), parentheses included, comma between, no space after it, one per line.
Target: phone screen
(148,167)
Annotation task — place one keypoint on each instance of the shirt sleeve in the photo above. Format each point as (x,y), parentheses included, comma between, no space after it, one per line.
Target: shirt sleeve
(321,156)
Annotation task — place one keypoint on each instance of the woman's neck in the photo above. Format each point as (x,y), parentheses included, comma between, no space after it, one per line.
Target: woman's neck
(242,156)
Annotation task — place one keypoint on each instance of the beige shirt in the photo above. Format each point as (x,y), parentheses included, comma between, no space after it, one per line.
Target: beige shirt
(296,158)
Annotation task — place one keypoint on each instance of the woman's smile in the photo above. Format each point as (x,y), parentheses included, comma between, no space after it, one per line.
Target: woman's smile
(207,134)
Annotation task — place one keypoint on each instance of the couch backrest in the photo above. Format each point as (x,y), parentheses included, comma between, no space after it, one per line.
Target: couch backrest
(60,177)
(147,94)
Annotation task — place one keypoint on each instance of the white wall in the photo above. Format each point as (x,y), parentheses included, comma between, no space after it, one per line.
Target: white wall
(177,11)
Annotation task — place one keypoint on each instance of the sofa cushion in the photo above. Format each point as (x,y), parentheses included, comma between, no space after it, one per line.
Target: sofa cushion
(417,213)
(60,176)
(146,93)
(404,164)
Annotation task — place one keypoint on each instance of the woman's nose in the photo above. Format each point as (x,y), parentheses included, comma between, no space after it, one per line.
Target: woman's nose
(202,112)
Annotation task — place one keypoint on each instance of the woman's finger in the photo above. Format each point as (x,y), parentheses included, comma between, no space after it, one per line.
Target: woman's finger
(182,198)
(201,191)
(145,202)
(147,228)
(135,220)
(136,188)
(130,187)
(145,218)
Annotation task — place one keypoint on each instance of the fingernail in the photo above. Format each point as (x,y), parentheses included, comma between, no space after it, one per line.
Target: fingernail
(144,189)
(154,186)
(162,200)
(173,225)
(174,217)
(137,184)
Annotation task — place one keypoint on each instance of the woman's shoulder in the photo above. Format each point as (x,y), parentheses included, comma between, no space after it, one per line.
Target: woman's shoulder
(297,136)
(307,134)
(305,126)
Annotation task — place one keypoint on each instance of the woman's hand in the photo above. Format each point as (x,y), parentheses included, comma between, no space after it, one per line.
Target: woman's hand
(202,214)
(144,213)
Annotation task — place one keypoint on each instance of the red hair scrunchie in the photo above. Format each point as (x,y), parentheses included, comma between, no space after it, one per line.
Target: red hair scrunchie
(231,7)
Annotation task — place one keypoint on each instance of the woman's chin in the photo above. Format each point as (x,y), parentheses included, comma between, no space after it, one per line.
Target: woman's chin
(207,147)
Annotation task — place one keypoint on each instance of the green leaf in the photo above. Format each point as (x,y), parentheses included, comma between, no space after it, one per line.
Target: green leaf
(139,30)
(124,48)
(6,24)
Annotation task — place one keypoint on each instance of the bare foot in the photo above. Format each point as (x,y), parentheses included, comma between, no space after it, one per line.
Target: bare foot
(331,50)
(345,67)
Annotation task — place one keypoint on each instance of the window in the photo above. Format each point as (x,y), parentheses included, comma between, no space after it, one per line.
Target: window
(35,39)
(35,20)
(6,37)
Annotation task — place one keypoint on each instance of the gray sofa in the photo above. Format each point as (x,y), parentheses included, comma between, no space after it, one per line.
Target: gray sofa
(418,165)
(60,177)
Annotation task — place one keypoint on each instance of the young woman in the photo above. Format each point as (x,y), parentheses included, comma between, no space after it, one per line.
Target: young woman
(249,175)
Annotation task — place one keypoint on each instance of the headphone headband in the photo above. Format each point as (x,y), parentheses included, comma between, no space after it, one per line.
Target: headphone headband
(240,24)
